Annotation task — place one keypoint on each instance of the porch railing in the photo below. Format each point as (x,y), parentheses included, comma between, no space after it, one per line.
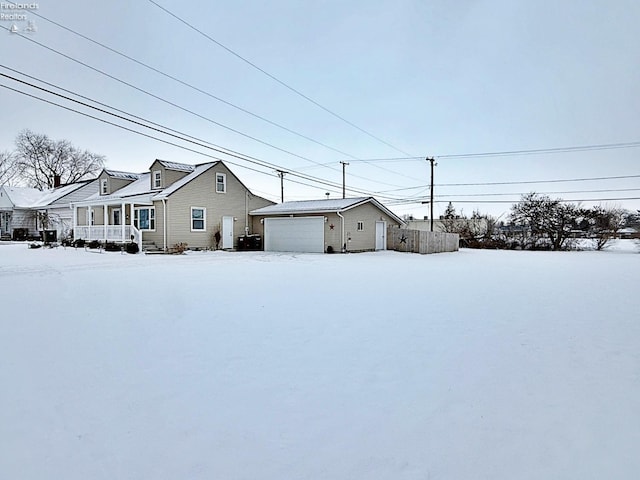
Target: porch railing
(110,233)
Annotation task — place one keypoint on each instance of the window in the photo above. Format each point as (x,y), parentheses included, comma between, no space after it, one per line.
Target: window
(360,226)
(198,219)
(221,183)
(157,179)
(104,186)
(144,218)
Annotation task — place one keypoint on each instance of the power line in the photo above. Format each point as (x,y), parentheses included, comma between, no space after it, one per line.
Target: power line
(160,98)
(179,136)
(191,86)
(156,138)
(262,163)
(536,181)
(581,148)
(191,112)
(506,153)
(403,202)
(513,183)
(289,87)
(541,193)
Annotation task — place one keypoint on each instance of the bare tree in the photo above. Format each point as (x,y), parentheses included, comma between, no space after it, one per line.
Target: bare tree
(39,160)
(604,224)
(7,167)
(548,221)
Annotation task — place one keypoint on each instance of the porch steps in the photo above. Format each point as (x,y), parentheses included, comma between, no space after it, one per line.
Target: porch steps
(5,237)
(150,247)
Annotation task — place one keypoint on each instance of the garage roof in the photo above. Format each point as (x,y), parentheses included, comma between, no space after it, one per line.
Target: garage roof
(321,206)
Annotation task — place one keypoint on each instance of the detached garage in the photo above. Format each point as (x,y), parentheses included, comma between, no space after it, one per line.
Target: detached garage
(294,234)
(316,226)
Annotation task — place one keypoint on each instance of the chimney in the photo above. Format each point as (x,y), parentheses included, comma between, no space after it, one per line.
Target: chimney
(56,181)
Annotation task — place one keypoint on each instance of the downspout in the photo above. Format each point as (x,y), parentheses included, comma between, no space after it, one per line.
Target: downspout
(246,213)
(344,245)
(164,222)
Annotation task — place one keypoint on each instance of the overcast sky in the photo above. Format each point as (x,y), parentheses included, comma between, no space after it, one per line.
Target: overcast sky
(423,78)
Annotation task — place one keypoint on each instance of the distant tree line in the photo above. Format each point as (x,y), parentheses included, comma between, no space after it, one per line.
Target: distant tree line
(41,162)
(539,222)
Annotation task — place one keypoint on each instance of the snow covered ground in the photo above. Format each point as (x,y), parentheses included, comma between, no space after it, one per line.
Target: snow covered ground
(468,365)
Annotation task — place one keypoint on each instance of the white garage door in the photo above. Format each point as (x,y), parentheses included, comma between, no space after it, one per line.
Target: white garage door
(294,234)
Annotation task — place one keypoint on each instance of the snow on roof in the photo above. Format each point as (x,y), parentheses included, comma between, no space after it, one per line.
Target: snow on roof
(322,206)
(180,167)
(307,206)
(49,196)
(123,175)
(141,186)
(197,170)
(23,196)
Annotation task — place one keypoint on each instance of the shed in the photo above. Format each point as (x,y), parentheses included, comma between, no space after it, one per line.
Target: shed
(328,225)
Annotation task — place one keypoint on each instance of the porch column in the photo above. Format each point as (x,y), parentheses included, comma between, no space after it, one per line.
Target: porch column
(90,222)
(105,217)
(75,220)
(131,214)
(123,219)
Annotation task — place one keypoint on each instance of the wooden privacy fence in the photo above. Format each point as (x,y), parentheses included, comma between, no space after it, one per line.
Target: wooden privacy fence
(418,241)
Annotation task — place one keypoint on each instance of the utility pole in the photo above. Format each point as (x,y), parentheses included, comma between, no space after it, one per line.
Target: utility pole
(281,175)
(344,164)
(431,160)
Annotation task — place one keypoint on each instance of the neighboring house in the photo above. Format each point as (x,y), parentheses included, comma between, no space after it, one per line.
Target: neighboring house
(351,224)
(16,218)
(28,211)
(54,206)
(628,232)
(171,204)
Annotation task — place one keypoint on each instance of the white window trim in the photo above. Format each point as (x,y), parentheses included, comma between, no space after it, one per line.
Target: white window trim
(136,218)
(360,226)
(224,182)
(204,219)
(104,186)
(157,179)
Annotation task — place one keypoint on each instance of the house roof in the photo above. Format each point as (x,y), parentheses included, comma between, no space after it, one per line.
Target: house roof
(52,195)
(180,167)
(122,175)
(140,186)
(197,170)
(23,196)
(322,206)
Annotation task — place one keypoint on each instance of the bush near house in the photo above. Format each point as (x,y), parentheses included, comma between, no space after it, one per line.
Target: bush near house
(132,247)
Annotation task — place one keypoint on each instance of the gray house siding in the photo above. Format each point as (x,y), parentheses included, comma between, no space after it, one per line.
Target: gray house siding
(77,195)
(23,218)
(355,240)
(365,239)
(168,176)
(201,193)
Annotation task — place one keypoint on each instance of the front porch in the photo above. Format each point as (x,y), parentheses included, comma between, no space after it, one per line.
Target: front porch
(109,233)
(108,223)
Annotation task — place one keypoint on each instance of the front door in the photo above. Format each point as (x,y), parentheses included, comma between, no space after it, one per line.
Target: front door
(116,218)
(227,232)
(381,235)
